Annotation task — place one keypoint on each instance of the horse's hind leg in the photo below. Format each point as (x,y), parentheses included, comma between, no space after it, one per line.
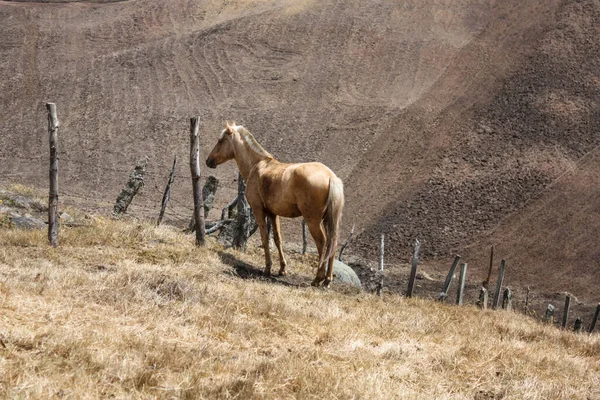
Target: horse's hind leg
(318,234)
(329,278)
(277,237)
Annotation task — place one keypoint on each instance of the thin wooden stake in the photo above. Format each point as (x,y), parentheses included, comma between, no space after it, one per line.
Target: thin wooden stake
(483,298)
(527,299)
(499,284)
(486,283)
(167,193)
(444,293)
(413,270)
(304,237)
(566,311)
(461,284)
(195,170)
(346,243)
(53,192)
(595,319)
(578,325)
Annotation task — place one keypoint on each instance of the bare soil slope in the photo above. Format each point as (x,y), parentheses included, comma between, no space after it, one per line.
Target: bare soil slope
(447,122)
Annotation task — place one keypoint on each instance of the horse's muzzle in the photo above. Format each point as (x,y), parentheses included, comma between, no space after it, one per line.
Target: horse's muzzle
(210,163)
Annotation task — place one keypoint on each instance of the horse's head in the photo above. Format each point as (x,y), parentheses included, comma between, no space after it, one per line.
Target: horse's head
(223,150)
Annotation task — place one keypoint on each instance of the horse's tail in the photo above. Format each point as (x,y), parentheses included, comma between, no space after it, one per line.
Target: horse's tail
(332,217)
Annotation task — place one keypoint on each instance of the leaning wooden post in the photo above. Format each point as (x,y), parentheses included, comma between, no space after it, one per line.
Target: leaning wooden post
(167,193)
(499,284)
(483,298)
(444,293)
(566,311)
(346,243)
(53,193)
(461,284)
(593,325)
(486,283)
(195,170)
(304,237)
(507,300)
(413,270)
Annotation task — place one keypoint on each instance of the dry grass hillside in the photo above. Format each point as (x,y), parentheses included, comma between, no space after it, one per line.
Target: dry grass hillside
(463,123)
(125,309)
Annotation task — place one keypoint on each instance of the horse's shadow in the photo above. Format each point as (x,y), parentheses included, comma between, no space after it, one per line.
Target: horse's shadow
(244,270)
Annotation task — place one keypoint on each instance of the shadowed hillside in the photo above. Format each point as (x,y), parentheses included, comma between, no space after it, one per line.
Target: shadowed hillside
(450,123)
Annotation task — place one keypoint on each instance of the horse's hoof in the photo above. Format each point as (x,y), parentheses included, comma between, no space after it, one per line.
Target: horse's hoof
(267,272)
(282,272)
(315,283)
(326,283)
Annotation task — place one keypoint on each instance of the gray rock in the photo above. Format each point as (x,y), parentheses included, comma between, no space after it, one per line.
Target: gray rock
(28,223)
(343,273)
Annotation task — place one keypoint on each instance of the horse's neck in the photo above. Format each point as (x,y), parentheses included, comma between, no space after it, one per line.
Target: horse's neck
(248,154)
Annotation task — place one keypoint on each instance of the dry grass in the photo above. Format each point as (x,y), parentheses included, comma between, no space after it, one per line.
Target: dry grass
(129,310)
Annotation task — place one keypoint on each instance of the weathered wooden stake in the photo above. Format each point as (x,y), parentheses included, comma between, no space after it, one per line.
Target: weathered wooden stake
(483,298)
(499,284)
(167,193)
(549,316)
(413,270)
(208,197)
(444,293)
(595,319)
(578,325)
(346,243)
(507,300)
(131,189)
(53,192)
(461,284)
(486,283)
(381,251)
(527,299)
(195,170)
(566,311)
(304,237)
(246,225)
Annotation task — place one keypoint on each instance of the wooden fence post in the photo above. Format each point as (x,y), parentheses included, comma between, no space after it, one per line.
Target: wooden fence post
(381,254)
(167,193)
(413,270)
(578,325)
(208,197)
(195,170)
(527,299)
(461,284)
(53,192)
(566,311)
(381,251)
(595,319)
(499,284)
(549,316)
(304,237)
(346,243)
(486,283)
(444,293)
(507,300)
(483,298)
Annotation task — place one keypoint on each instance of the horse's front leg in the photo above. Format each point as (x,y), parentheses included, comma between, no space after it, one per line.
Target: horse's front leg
(261,220)
(277,236)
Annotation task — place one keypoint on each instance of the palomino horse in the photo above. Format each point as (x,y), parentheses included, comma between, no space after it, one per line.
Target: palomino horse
(274,189)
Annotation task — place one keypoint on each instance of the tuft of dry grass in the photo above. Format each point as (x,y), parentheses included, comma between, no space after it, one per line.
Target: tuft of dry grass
(126,309)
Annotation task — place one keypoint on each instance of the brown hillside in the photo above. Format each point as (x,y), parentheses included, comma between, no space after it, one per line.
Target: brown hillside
(449,123)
